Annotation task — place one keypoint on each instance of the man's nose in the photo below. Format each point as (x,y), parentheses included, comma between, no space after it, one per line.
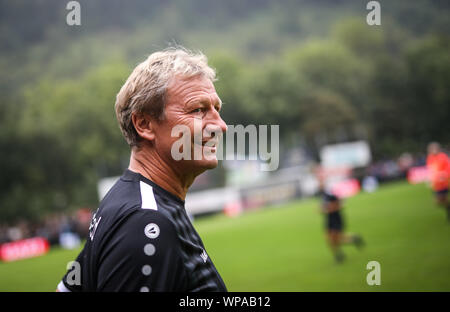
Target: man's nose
(222,124)
(216,123)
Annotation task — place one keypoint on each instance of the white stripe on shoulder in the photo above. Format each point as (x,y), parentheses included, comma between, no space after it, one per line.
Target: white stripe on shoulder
(147,197)
(62,288)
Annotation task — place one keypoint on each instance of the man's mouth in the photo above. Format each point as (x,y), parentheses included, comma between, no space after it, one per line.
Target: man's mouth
(211,143)
(208,146)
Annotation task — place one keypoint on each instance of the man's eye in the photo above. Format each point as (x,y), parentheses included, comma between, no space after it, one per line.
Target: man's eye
(197,110)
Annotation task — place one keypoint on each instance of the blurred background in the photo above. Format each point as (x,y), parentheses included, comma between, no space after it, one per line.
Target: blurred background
(361,101)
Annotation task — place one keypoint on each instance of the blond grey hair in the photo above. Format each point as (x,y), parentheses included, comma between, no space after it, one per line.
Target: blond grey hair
(146,88)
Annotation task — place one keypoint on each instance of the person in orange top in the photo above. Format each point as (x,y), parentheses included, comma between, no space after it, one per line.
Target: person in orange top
(438,165)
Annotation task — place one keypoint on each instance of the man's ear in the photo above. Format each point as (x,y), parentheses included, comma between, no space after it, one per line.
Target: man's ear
(144,125)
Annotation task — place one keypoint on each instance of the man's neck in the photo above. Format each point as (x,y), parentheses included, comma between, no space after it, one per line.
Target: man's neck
(147,162)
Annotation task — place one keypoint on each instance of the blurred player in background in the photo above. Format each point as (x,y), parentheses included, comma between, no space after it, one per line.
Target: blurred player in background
(334,221)
(334,225)
(439,167)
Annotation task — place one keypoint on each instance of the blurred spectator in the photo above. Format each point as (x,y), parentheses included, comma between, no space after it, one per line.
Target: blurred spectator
(51,227)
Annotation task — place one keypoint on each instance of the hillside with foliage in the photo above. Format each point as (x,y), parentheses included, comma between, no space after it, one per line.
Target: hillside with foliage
(313,67)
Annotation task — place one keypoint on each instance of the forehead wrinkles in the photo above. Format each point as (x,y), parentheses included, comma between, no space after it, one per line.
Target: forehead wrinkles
(188,89)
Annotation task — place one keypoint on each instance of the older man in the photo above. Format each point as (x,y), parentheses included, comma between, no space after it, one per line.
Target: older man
(141,238)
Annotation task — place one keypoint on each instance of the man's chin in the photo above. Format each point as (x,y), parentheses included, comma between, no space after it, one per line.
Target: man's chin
(208,163)
(200,166)
(196,167)
(209,158)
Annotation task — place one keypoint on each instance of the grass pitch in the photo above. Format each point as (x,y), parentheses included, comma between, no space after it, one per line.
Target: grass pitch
(283,248)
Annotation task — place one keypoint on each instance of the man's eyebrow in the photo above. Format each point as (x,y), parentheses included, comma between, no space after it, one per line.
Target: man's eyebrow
(206,101)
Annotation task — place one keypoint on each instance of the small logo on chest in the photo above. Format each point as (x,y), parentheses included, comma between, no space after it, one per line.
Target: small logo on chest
(204,256)
(93,226)
(151,230)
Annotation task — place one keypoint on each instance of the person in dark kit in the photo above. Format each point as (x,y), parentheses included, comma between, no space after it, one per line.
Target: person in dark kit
(141,237)
(334,225)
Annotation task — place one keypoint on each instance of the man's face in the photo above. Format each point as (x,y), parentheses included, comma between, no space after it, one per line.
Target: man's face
(433,149)
(194,104)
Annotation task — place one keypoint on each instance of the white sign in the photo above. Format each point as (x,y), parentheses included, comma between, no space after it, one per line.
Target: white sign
(350,155)
(104,185)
